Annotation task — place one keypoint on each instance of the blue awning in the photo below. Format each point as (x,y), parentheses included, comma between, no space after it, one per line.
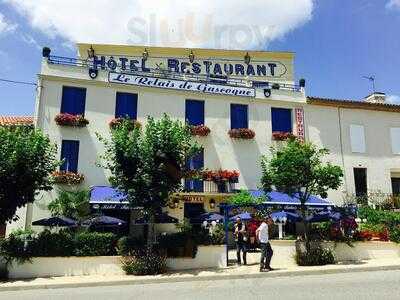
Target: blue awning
(106,197)
(278,198)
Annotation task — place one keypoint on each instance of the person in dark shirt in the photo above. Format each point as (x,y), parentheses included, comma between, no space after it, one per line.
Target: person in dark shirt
(241,240)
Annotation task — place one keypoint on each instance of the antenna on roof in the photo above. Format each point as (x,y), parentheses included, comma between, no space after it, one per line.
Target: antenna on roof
(372,80)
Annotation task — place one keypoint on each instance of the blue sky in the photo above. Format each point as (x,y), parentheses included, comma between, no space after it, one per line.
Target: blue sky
(336,41)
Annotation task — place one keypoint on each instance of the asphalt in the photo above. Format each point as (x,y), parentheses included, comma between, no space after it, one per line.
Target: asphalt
(233,273)
(364,285)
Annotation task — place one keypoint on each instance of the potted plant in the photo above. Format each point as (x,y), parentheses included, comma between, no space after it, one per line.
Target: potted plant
(242,133)
(114,123)
(66,177)
(65,119)
(282,136)
(200,130)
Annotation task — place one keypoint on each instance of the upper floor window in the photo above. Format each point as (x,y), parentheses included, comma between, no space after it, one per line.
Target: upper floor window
(281,119)
(195,163)
(73,100)
(194,112)
(395,137)
(239,116)
(357,138)
(69,155)
(126,105)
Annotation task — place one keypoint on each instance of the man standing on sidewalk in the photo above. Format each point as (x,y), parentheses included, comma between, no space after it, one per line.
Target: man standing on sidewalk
(241,240)
(266,250)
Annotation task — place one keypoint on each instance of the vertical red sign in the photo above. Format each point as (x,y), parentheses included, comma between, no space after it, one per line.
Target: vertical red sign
(299,112)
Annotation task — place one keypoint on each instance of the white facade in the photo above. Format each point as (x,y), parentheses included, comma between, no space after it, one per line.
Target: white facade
(356,136)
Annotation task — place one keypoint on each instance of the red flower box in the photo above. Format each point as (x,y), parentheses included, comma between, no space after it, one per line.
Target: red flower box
(242,133)
(71,120)
(65,177)
(282,136)
(114,123)
(200,130)
(221,175)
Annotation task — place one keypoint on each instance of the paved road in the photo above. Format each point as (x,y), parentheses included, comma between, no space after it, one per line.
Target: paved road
(368,285)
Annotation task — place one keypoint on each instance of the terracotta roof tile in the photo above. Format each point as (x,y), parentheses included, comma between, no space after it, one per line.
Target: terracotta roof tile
(15,120)
(353,104)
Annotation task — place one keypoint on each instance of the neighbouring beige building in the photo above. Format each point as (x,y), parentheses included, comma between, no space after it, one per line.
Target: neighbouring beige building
(233,93)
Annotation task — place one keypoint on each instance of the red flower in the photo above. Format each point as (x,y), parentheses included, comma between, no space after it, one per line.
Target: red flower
(71,120)
(242,133)
(282,136)
(200,130)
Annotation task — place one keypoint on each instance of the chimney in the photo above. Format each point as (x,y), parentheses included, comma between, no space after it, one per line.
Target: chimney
(376,97)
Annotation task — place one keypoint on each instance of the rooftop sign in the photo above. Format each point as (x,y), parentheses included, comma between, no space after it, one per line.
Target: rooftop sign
(218,67)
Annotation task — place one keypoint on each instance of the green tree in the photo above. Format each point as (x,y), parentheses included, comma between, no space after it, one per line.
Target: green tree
(244,198)
(71,204)
(147,164)
(298,169)
(27,159)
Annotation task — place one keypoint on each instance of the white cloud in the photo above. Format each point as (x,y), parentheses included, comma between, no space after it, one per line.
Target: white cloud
(28,39)
(5,26)
(194,23)
(393,4)
(393,99)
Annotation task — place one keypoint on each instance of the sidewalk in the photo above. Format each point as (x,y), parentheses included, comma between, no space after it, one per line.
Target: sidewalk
(234,272)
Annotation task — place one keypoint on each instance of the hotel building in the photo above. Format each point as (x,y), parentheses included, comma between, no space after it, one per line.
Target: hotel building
(222,90)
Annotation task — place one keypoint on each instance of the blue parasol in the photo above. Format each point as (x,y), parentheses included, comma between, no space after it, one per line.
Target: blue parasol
(244,216)
(55,221)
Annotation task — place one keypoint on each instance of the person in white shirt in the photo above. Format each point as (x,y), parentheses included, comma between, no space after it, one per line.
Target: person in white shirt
(266,250)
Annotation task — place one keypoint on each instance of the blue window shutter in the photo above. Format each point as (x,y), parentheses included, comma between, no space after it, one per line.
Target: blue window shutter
(281,119)
(126,106)
(195,163)
(194,113)
(239,116)
(70,155)
(73,100)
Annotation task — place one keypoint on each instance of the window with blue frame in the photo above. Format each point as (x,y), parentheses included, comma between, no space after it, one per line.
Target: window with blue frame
(126,105)
(194,112)
(73,100)
(195,163)
(281,119)
(239,116)
(69,156)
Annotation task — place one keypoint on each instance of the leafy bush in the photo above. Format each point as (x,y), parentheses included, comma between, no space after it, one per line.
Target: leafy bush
(145,262)
(17,247)
(216,237)
(394,234)
(95,244)
(128,244)
(178,244)
(316,256)
(48,244)
(375,216)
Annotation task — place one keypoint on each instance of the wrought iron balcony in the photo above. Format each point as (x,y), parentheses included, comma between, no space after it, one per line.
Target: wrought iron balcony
(204,186)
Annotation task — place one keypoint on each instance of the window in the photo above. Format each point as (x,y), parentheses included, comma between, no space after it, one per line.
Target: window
(194,113)
(73,100)
(360,181)
(195,163)
(395,186)
(357,138)
(126,106)
(395,137)
(239,117)
(69,155)
(281,119)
